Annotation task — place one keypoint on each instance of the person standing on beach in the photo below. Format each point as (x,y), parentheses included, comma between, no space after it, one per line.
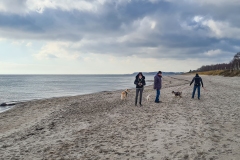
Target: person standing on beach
(140,83)
(158,85)
(197,85)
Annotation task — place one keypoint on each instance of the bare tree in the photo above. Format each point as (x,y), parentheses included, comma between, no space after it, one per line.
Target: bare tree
(234,64)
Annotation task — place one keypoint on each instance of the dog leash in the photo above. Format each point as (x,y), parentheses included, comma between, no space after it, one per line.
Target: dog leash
(181,88)
(205,89)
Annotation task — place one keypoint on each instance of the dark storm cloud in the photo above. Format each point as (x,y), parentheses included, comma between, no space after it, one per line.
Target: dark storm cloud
(164,29)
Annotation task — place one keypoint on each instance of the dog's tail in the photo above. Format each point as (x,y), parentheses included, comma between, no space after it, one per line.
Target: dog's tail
(121,96)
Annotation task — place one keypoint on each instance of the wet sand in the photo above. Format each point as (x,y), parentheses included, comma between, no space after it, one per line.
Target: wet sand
(101,126)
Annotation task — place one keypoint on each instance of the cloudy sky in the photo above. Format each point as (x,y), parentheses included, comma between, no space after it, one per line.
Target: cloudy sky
(116,36)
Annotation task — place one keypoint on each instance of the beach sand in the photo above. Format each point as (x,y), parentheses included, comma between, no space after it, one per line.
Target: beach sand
(101,126)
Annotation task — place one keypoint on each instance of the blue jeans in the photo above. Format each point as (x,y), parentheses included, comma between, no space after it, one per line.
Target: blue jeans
(194,90)
(157,95)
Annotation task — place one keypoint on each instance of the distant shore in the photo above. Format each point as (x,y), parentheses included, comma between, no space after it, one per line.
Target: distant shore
(101,126)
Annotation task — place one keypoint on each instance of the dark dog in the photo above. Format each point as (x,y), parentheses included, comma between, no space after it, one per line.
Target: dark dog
(177,94)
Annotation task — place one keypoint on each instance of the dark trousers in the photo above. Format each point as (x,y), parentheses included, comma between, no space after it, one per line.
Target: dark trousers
(138,90)
(157,95)
(194,90)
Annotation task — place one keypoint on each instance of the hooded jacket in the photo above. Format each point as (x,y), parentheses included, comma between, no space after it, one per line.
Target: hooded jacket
(157,82)
(138,80)
(198,81)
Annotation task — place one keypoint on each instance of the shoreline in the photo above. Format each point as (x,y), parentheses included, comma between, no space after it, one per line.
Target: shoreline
(49,98)
(101,126)
(42,99)
(25,101)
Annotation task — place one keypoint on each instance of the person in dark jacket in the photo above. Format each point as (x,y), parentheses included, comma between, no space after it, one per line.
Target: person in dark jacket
(197,85)
(158,85)
(140,83)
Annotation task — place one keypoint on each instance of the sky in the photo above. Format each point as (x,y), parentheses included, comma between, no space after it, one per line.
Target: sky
(116,36)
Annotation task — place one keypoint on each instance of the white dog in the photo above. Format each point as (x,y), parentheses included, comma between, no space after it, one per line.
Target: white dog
(148,97)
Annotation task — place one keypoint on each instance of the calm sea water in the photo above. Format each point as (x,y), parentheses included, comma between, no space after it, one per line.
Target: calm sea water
(15,88)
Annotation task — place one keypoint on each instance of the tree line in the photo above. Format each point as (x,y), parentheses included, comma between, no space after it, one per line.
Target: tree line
(234,64)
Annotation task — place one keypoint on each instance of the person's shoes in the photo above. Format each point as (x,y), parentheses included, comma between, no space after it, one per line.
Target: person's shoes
(136,105)
(198,98)
(158,101)
(140,104)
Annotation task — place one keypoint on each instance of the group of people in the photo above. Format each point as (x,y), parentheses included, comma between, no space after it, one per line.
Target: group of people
(140,83)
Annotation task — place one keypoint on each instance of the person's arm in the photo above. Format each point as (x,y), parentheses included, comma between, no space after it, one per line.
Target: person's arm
(160,83)
(155,82)
(136,82)
(155,79)
(201,82)
(144,82)
(192,81)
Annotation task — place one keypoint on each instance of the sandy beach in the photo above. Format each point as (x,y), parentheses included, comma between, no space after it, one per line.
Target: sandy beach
(101,126)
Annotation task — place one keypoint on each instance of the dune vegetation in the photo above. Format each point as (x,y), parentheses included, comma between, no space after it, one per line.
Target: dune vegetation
(225,73)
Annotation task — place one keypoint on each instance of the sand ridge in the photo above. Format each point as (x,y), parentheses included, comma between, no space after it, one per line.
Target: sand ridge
(101,126)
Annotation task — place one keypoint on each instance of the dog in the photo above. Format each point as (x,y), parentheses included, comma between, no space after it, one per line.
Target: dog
(124,94)
(148,97)
(177,94)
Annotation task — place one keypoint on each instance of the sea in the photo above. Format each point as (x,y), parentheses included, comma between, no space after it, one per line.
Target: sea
(21,88)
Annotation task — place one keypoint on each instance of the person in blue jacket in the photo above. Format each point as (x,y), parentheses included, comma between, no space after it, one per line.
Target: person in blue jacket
(197,85)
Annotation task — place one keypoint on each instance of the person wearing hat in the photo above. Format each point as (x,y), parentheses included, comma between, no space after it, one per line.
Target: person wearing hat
(197,85)
(158,85)
(140,83)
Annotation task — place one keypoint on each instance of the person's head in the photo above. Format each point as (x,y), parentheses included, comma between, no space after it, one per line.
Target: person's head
(159,73)
(140,75)
(197,75)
